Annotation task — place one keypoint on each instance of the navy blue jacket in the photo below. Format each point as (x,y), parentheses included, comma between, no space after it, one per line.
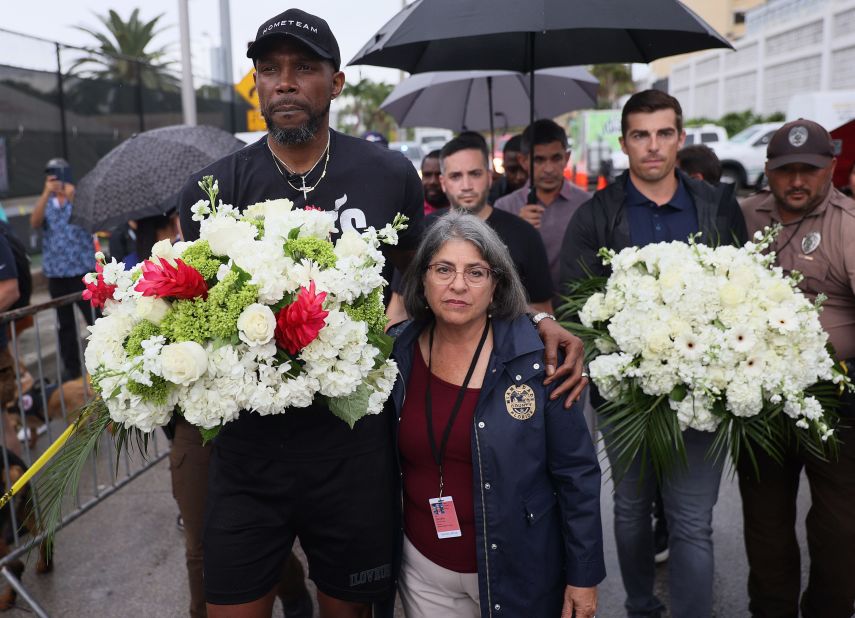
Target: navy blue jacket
(536,481)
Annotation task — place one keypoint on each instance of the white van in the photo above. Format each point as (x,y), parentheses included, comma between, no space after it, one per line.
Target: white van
(831,109)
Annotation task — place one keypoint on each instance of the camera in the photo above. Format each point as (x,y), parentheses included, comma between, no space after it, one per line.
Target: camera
(60,169)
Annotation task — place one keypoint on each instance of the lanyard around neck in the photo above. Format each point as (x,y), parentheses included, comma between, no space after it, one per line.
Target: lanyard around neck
(439,453)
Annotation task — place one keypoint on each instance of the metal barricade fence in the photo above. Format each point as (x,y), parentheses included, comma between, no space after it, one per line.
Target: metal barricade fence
(41,408)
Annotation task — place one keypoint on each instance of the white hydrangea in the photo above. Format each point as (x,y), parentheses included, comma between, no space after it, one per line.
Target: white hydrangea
(381,381)
(723,322)
(340,358)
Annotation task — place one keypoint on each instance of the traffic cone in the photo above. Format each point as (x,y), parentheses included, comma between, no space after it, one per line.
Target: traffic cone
(601,182)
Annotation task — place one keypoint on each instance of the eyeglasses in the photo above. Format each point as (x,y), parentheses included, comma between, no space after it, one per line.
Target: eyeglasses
(443,274)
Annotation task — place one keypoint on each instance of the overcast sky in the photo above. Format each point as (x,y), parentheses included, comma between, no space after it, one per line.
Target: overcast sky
(351,21)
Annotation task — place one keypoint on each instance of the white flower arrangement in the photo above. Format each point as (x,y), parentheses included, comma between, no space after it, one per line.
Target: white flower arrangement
(718,336)
(263,313)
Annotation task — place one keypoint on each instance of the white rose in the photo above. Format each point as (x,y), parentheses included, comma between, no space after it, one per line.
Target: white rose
(256,324)
(269,209)
(657,342)
(152,309)
(732,293)
(779,291)
(163,250)
(670,278)
(184,362)
(350,244)
(180,247)
(222,233)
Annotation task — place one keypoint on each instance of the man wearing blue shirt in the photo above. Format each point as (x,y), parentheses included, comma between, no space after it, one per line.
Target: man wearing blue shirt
(654,202)
(68,253)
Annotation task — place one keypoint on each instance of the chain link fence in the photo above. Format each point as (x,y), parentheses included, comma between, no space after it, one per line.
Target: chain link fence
(53,104)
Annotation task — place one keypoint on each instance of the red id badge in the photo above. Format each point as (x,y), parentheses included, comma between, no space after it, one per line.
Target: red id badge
(444,517)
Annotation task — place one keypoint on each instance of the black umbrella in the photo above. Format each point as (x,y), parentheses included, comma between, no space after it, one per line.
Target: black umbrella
(457,35)
(141,176)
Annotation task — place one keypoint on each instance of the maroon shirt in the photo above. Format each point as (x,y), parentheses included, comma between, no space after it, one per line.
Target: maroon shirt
(421,474)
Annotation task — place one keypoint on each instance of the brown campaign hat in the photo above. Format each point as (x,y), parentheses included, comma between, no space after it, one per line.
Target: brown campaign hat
(309,29)
(800,141)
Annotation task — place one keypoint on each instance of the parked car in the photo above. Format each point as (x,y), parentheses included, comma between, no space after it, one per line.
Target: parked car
(743,156)
(708,134)
(412,150)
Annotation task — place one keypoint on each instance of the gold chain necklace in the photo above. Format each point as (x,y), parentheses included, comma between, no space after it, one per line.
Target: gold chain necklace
(305,189)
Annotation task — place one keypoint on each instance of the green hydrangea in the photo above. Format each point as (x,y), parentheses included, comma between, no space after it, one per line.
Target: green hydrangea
(369,309)
(259,225)
(315,249)
(187,321)
(213,318)
(199,256)
(157,393)
(139,333)
(226,301)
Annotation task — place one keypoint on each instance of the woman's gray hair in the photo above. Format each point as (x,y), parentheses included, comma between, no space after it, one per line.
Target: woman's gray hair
(509,299)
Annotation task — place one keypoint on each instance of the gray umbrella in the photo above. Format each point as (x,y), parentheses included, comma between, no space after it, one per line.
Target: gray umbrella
(141,176)
(474,100)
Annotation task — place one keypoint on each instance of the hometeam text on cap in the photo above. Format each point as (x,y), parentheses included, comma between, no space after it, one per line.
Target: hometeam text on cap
(309,29)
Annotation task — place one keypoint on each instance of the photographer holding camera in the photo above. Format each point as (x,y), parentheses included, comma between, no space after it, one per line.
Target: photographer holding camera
(68,253)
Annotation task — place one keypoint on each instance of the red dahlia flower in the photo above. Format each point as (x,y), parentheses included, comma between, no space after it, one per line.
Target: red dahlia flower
(99,292)
(298,324)
(165,280)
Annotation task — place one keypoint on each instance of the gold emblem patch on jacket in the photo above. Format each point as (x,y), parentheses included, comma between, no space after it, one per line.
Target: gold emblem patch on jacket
(520,401)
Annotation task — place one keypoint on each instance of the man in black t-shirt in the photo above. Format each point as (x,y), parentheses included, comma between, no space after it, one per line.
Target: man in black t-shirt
(305,473)
(466,180)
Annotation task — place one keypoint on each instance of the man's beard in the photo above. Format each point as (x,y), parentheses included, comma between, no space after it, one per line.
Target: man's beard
(294,136)
(474,209)
(437,200)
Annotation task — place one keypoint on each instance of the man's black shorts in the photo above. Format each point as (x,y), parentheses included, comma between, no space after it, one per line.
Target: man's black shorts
(341,509)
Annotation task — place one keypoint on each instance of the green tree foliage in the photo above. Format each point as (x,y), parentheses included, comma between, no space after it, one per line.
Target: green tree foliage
(734,122)
(362,111)
(615,81)
(124,53)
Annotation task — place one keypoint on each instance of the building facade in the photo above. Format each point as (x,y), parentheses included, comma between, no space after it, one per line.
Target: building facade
(790,47)
(727,17)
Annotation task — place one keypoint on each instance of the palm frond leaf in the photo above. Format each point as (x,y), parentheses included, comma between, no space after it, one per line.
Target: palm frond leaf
(61,476)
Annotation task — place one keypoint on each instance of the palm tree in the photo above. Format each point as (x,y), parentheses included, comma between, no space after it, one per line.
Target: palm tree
(124,55)
(615,81)
(364,99)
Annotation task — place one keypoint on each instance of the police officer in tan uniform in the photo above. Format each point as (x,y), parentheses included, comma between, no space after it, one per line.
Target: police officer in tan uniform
(818,240)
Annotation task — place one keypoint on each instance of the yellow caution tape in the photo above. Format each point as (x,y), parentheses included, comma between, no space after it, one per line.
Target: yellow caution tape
(52,450)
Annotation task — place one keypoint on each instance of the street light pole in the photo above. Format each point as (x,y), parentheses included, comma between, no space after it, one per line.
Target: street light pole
(226,40)
(188,94)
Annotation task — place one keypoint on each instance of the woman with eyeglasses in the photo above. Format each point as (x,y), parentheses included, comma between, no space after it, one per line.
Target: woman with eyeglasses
(501,485)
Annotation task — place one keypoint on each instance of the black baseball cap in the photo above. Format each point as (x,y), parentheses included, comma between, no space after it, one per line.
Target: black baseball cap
(309,29)
(800,141)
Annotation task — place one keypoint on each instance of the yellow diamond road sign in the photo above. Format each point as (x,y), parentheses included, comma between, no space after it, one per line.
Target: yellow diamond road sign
(246,89)
(254,121)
